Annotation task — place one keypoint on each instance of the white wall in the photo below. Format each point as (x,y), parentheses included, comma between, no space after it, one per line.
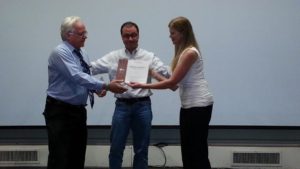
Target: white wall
(220,156)
(250,48)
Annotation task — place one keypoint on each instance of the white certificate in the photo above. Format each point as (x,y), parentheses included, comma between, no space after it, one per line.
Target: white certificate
(137,71)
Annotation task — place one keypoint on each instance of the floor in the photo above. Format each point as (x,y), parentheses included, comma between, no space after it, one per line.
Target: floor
(96,168)
(86,168)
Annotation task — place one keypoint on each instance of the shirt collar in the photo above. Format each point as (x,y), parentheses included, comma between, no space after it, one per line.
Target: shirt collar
(70,46)
(133,52)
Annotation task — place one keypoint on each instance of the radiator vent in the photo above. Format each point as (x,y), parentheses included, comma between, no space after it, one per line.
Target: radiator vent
(19,156)
(256,159)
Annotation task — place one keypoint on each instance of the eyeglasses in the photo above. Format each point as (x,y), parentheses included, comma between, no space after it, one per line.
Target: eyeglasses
(132,35)
(83,34)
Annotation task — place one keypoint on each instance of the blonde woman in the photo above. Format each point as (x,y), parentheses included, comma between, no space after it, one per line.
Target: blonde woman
(196,99)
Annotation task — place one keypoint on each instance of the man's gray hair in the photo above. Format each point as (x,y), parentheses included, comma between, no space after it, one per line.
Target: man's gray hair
(67,26)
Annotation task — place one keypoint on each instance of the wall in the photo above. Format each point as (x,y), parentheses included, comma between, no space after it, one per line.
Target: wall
(250,50)
(220,156)
(224,141)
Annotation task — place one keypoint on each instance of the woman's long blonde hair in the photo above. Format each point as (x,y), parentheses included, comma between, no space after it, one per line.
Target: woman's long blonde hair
(182,25)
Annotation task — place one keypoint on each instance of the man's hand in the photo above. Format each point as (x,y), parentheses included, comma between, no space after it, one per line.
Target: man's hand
(156,75)
(102,93)
(174,88)
(116,87)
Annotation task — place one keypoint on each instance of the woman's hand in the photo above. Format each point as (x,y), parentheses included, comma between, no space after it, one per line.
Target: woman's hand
(136,85)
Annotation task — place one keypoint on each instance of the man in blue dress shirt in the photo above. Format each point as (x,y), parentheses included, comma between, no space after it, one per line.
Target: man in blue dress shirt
(70,85)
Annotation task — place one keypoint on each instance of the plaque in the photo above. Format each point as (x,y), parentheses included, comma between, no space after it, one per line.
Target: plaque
(121,70)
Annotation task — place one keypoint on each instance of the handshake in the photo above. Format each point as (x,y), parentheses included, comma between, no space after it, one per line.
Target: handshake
(115,86)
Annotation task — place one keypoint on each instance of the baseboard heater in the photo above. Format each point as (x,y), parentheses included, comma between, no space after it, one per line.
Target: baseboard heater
(256,159)
(19,156)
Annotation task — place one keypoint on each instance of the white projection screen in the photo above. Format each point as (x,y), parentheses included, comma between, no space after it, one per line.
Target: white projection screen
(250,48)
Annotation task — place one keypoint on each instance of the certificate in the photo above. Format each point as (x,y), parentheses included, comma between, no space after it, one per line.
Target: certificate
(133,70)
(137,71)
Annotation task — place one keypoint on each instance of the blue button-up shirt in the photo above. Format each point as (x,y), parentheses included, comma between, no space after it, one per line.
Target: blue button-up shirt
(67,81)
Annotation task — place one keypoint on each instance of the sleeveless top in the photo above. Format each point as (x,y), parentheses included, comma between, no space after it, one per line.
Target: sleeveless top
(193,88)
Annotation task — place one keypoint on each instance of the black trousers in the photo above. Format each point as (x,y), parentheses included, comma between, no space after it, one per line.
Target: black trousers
(194,125)
(67,135)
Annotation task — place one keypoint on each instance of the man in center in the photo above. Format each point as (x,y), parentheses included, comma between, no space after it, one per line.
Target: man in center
(133,108)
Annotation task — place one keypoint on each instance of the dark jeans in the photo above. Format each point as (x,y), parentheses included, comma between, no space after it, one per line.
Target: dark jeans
(67,135)
(194,124)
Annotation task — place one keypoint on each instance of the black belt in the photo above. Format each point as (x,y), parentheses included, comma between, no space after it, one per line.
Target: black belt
(52,100)
(133,100)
